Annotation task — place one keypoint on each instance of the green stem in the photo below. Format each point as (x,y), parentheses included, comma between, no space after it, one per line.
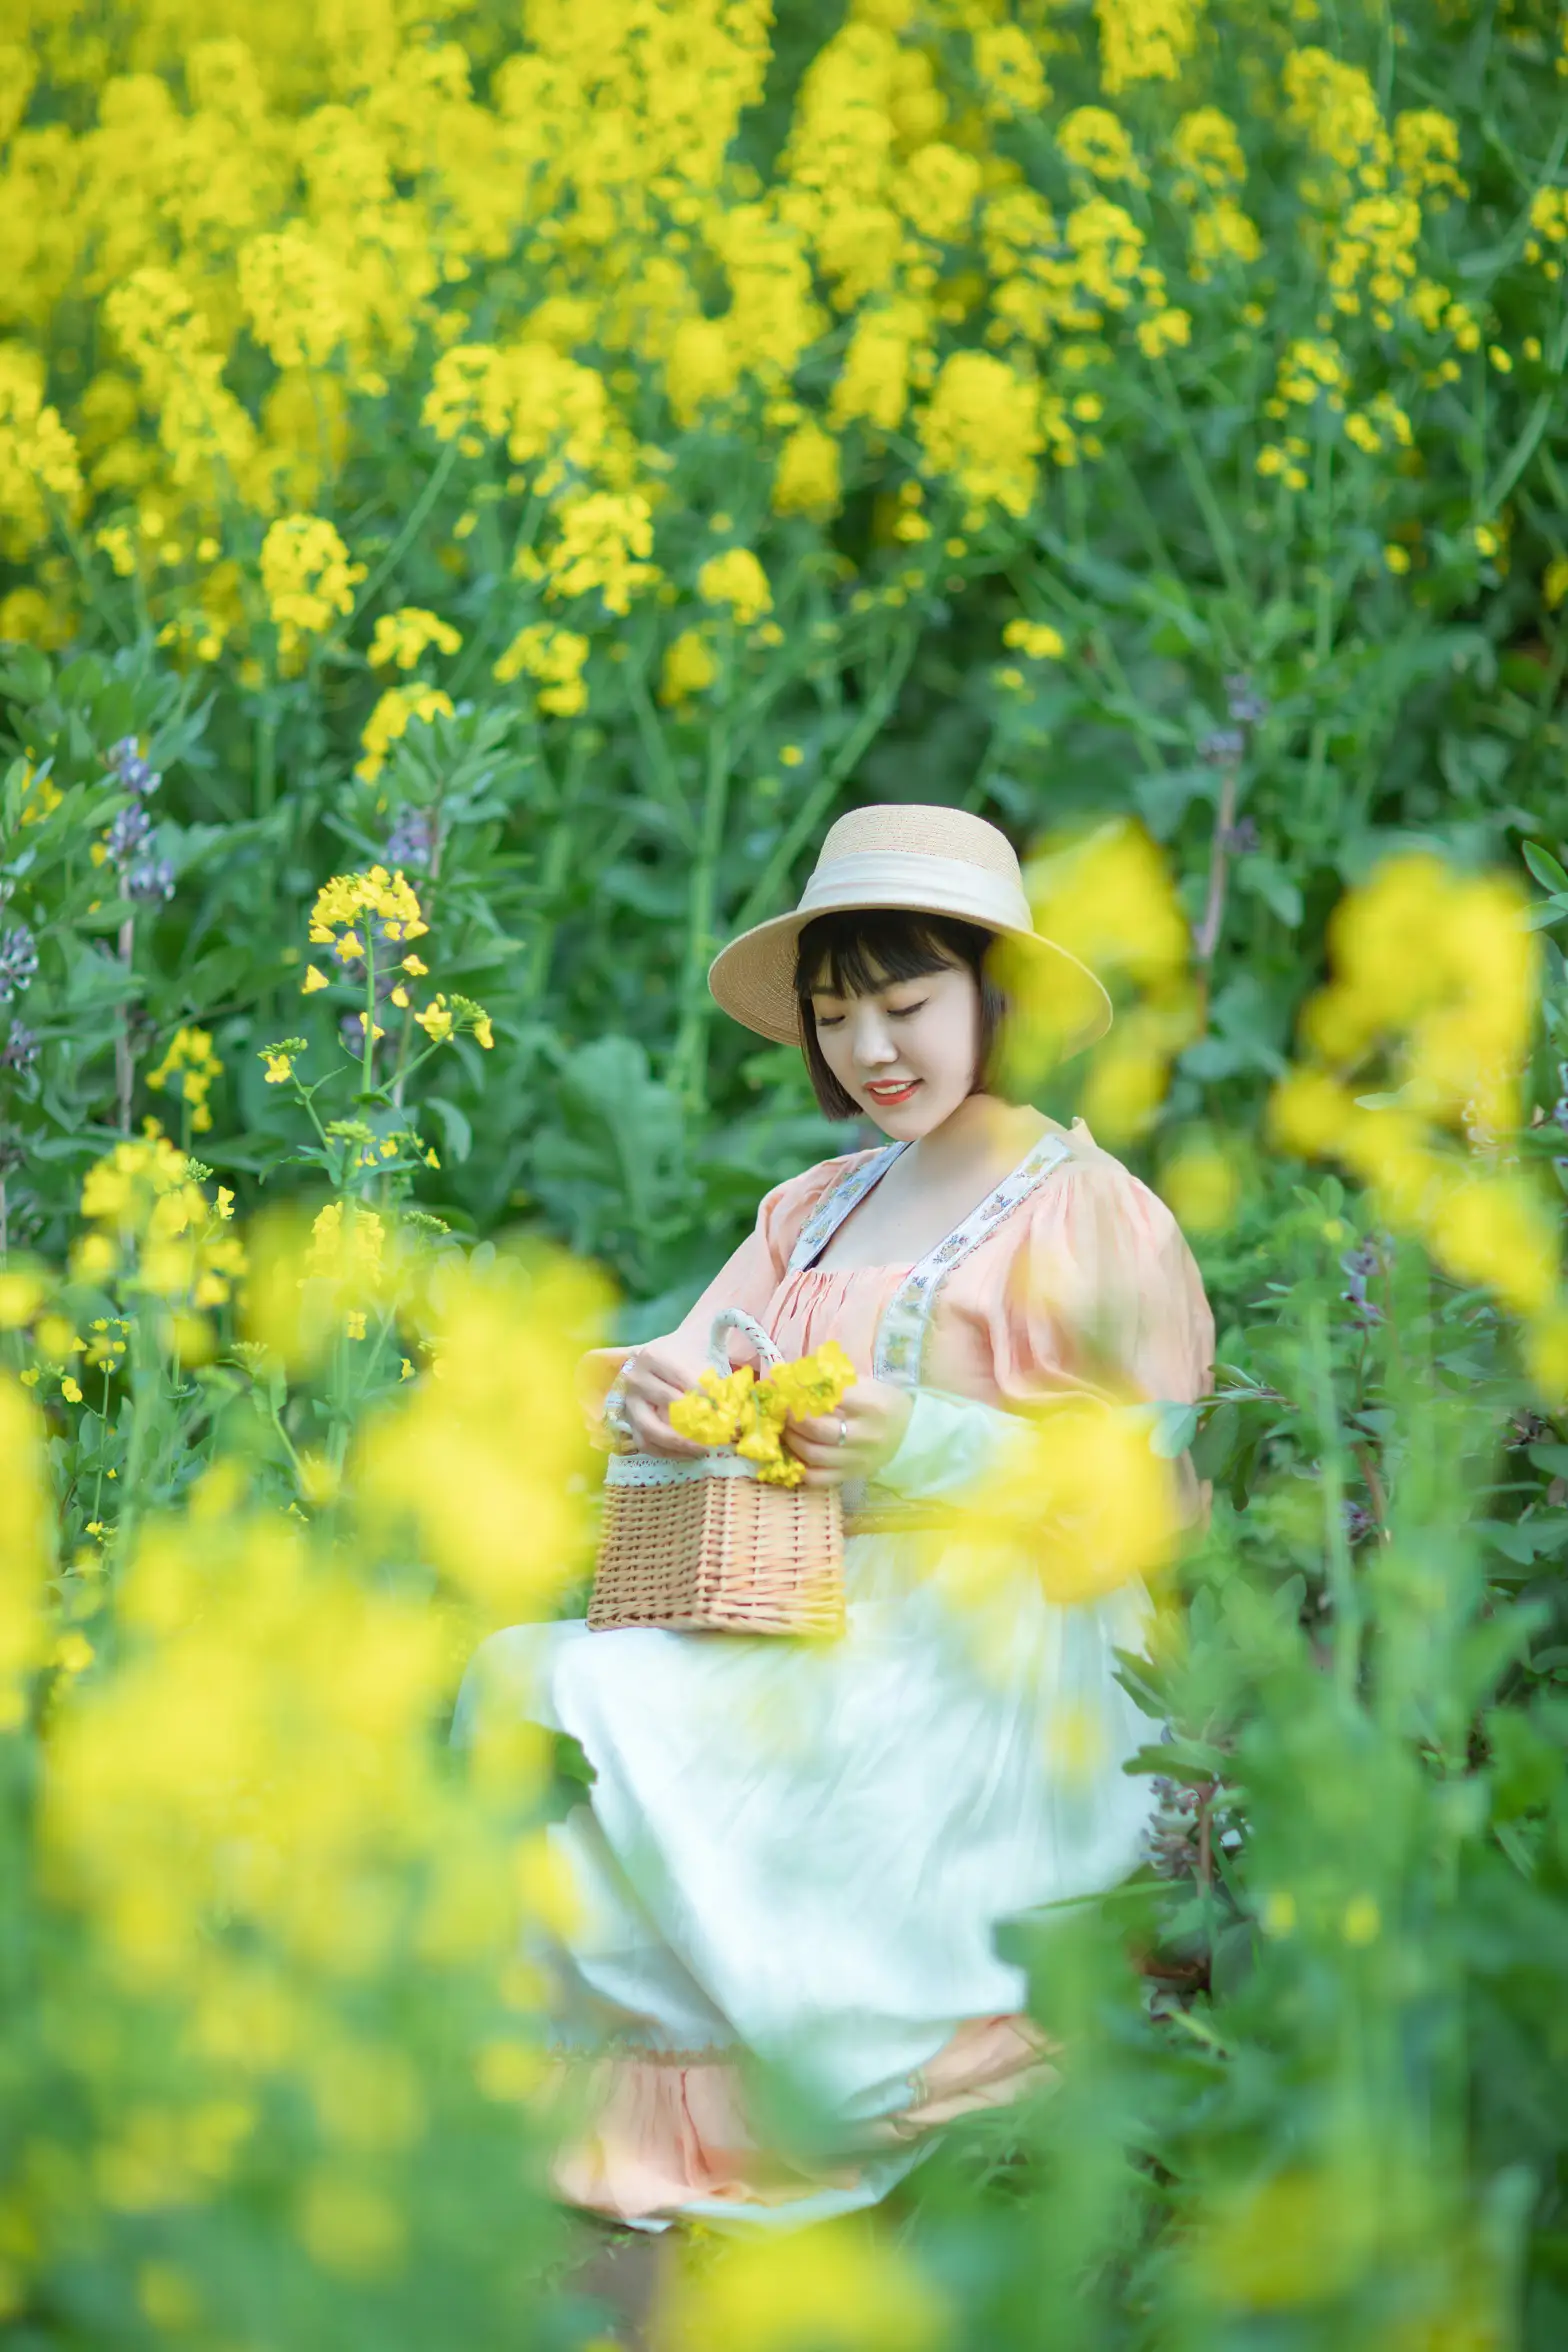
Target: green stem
(760,898)
(369,1067)
(661,768)
(1341,1570)
(688,1062)
(79,557)
(266,776)
(1535,424)
(1323,615)
(1198,482)
(411,529)
(558,853)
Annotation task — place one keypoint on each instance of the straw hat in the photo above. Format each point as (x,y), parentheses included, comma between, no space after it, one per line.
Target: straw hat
(935,861)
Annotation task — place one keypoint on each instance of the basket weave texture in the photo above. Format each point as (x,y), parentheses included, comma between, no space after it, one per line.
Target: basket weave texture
(702,1545)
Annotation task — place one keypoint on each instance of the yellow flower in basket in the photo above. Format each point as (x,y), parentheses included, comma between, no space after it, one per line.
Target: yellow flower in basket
(737,1409)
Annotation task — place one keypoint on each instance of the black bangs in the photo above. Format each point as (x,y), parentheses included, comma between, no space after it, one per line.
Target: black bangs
(856,953)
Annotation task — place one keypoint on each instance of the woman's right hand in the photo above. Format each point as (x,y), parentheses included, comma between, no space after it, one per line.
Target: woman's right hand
(657,1375)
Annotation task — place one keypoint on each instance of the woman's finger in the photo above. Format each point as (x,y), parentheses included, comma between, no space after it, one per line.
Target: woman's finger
(845,1460)
(654,1434)
(821,1478)
(823,1428)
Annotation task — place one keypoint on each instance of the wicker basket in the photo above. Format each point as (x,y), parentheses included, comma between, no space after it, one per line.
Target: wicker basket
(702,1545)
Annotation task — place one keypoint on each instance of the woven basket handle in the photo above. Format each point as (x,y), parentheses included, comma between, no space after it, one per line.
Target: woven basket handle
(736,1319)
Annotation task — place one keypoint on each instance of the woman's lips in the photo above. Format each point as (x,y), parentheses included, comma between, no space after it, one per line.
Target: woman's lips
(890,1095)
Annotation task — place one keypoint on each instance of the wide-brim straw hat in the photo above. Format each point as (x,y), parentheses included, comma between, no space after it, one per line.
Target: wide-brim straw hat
(932,861)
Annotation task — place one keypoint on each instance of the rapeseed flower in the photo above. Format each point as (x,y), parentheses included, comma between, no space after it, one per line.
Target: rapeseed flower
(191,1058)
(735,581)
(556,658)
(26,1523)
(689,668)
(402,637)
(309,582)
(735,1408)
(845,2283)
(394,714)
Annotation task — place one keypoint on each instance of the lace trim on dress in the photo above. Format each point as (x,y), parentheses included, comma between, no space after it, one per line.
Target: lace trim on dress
(673,1469)
(906,1320)
(836,1203)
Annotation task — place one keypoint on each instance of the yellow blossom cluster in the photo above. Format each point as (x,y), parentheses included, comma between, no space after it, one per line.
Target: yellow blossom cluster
(737,1409)
(1415,1050)
(38,458)
(401,638)
(736,582)
(309,581)
(282,227)
(25,1547)
(690,667)
(249,1851)
(353,903)
(478,1456)
(1108,897)
(398,709)
(601,544)
(192,1059)
(1083,1506)
(446,1015)
(153,1228)
(556,658)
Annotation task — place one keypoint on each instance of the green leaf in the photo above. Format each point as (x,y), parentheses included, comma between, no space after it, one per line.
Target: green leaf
(1546,869)
(457,1134)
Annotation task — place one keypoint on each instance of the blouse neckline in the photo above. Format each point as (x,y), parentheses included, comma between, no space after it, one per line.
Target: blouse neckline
(833,1209)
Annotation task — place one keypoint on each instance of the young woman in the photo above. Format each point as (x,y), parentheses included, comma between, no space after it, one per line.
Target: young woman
(799,1853)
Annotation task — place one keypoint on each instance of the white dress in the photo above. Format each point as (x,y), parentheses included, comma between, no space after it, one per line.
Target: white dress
(799,1854)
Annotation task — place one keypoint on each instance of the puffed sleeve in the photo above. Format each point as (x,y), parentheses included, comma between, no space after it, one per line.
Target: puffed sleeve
(747,1279)
(1101,1293)
(1090,1287)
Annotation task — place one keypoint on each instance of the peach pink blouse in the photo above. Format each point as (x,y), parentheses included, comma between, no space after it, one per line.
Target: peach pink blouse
(1085,1283)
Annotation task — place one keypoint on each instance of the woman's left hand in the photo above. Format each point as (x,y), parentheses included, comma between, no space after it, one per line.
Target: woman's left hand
(858,1439)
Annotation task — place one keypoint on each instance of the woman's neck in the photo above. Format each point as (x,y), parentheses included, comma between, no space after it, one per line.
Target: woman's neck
(981,1134)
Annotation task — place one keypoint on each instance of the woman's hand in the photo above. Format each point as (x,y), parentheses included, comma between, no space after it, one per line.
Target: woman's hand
(656,1376)
(858,1439)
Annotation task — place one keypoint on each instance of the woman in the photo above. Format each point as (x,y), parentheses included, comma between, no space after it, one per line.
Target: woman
(797,1853)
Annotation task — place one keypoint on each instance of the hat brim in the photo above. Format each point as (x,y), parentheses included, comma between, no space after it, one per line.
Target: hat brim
(753,979)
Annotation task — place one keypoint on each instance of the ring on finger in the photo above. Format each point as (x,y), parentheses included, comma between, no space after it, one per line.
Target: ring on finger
(843,1431)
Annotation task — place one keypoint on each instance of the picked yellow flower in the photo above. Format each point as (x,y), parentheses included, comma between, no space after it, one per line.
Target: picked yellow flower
(737,1409)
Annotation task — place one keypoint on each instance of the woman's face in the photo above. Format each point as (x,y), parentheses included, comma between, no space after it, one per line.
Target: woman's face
(906,1052)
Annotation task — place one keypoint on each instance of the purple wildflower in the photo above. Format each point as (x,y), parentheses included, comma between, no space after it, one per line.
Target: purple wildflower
(130,769)
(128,833)
(412,840)
(1244,703)
(20,1050)
(149,880)
(18,961)
(1360,1265)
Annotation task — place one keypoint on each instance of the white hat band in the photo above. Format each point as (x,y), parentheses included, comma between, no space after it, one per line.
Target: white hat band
(905,878)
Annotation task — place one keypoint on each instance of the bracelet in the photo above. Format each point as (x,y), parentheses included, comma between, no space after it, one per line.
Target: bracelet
(615,1404)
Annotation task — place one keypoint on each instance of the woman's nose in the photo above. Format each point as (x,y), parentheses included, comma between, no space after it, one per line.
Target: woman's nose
(873,1042)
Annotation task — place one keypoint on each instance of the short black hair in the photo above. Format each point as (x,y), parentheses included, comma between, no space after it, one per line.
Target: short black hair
(864,950)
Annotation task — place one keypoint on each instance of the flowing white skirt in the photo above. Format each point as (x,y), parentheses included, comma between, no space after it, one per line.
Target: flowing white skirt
(802,1851)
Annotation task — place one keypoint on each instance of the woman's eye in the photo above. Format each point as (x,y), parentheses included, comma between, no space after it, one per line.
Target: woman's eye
(830,1020)
(902,1012)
